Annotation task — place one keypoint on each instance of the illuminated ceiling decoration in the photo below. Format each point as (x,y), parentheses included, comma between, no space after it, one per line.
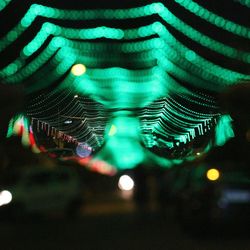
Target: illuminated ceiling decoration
(4,3)
(244,2)
(128,80)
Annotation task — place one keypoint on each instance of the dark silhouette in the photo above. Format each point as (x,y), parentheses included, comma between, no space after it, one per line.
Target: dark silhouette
(142,189)
(11,101)
(235,101)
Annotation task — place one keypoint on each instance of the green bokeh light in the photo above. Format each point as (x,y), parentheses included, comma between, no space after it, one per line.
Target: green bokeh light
(140,69)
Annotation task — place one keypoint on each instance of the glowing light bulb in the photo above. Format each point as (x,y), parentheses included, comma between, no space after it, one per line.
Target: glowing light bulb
(78,69)
(213,174)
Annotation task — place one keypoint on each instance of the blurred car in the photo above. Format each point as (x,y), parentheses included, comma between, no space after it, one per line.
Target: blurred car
(205,195)
(41,191)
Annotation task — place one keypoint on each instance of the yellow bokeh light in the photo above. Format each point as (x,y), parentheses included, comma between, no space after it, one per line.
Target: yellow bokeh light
(78,69)
(213,174)
(112,130)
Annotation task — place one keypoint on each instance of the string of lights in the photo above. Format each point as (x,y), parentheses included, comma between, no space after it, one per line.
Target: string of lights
(114,78)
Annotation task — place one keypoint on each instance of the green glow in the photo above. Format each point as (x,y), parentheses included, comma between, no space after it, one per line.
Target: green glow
(202,38)
(59,66)
(214,19)
(127,69)
(208,71)
(123,149)
(224,130)
(244,2)
(10,130)
(124,88)
(19,123)
(215,74)
(165,14)
(4,3)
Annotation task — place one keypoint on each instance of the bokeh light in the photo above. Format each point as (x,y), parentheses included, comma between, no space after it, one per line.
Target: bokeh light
(112,130)
(78,69)
(126,183)
(83,150)
(213,174)
(5,197)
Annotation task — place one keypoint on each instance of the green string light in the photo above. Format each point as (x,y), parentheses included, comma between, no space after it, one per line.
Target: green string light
(214,19)
(4,3)
(142,74)
(224,130)
(244,2)
(163,12)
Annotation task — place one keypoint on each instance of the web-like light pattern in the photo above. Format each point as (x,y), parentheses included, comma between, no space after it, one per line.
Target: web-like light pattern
(148,70)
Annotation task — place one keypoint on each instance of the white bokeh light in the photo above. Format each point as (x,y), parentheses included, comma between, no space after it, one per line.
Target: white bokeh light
(5,197)
(78,69)
(126,183)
